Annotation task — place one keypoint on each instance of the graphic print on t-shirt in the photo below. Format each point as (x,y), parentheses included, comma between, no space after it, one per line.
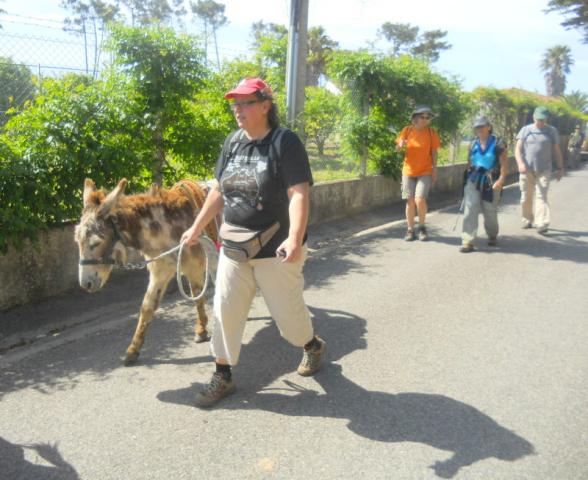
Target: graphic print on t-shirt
(241,179)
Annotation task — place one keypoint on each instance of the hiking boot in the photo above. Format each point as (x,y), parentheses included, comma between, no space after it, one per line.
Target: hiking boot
(218,388)
(423,236)
(466,248)
(492,242)
(312,359)
(409,237)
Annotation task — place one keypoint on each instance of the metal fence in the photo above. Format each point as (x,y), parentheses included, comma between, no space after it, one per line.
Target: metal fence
(44,48)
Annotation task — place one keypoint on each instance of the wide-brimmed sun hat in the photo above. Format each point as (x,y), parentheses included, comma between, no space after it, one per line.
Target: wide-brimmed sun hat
(420,109)
(481,121)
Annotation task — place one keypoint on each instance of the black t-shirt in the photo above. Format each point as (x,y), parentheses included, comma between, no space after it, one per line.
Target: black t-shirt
(254,188)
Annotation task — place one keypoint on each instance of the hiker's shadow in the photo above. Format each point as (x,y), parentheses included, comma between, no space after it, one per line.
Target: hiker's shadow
(435,420)
(268,357)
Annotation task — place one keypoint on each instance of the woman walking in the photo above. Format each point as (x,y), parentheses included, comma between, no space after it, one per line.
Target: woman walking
(420,143)
(487,170)
(263,180)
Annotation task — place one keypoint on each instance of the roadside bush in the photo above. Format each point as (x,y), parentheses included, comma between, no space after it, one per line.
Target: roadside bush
(511,109)
(381,93)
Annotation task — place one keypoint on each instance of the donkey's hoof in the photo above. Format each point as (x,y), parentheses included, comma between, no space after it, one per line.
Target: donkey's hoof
(131,358)
(202,337)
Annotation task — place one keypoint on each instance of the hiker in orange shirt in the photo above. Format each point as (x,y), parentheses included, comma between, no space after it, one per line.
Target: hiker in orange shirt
(420,143)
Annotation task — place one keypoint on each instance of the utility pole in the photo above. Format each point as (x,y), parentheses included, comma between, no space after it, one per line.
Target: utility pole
(296,61)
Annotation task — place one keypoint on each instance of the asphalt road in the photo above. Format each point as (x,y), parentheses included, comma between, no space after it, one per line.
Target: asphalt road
(440,365)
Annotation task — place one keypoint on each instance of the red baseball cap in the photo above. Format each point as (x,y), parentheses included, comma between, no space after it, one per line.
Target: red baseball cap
(248,86)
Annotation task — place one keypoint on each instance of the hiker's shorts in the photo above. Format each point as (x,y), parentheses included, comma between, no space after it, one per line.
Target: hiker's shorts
(416,186)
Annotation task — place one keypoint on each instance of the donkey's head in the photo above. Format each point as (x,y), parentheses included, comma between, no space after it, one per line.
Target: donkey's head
(98,237)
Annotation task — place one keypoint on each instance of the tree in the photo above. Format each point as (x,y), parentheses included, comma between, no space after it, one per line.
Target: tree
(575,10)
(556,65)
(320,45)
(405,39)
(430,45)
(16,86)
(321,116)
(402,36)
(212,14)
(270,42)
(166,70)
(147,12)
(88,17)
(577,100)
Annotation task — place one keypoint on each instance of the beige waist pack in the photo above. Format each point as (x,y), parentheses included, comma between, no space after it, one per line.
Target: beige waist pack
(242,244)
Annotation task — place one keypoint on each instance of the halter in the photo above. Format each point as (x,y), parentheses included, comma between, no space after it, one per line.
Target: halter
(208,246)
(106,259)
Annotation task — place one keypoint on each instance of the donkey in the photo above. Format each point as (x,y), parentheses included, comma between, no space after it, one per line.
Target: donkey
(151,223)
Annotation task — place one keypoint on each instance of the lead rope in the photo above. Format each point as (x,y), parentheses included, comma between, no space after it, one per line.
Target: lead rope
(209,249)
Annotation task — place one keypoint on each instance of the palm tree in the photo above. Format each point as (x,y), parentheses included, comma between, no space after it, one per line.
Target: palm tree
(577,100)
(556,65)
(320,45)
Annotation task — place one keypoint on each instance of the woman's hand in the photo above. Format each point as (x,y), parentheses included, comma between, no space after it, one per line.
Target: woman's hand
(498,184)
(289,250)
(434,175)
(191,235)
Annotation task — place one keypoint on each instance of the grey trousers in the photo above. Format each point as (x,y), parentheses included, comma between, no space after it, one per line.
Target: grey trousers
(474,205)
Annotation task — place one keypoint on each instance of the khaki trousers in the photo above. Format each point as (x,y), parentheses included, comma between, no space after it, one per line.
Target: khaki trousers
(281,286)
(535,185)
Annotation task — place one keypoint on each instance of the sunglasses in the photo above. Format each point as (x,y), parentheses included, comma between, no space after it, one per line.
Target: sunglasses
(243,104)
(425,117)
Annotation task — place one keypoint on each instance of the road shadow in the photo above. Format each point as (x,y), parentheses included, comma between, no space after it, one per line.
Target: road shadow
(268,357)
(434,420)
(63,364)
(14,465)
(557,245)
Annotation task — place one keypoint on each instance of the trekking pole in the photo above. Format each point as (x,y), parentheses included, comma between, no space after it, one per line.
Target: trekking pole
(459,212)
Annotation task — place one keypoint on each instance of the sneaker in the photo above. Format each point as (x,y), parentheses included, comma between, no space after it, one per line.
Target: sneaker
(312,359)
(526,224)
(218,388)
(423,236)
(409,237)
(492,242)
(542,230)
(466,248)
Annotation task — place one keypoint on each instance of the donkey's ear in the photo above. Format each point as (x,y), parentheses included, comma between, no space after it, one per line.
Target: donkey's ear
(89,188)
(112,198)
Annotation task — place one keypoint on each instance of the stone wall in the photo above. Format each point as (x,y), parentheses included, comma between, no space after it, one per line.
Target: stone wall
(49,267)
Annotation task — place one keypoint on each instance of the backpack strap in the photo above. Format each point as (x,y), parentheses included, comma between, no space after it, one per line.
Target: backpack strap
(275,150)
(233,145)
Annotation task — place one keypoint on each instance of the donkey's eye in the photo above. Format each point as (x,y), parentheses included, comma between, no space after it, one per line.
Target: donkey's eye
(94,245)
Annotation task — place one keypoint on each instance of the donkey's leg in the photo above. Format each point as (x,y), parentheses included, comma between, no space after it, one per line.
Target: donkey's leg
(160,273)
(195,272)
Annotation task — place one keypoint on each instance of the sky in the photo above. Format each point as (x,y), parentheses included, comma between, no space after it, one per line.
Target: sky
(498,43)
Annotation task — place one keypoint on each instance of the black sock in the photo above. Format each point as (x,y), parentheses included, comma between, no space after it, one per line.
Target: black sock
(224,370)
(314,344)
